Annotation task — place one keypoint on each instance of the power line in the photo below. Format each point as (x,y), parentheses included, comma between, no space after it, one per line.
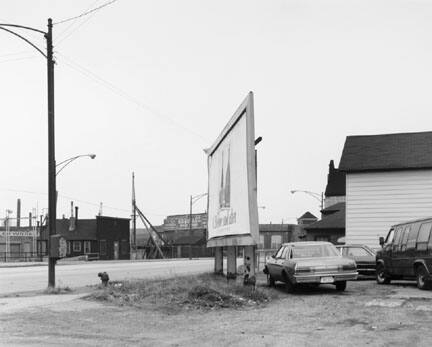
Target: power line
(59,37)
(77,200)
(86,12)
(86,72)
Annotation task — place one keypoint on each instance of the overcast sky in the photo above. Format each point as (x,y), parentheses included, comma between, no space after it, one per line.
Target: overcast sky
(147,84)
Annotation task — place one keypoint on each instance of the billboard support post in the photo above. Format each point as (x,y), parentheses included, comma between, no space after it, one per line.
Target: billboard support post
(231,262)
(218,265)
(249,251)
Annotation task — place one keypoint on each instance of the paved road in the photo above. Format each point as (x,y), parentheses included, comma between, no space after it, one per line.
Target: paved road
(20,279)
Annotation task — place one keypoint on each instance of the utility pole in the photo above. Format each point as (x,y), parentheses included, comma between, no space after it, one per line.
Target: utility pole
(52,213)
(133,212)
(190,217)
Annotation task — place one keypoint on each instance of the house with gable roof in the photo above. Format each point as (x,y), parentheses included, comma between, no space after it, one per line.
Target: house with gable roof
(388,181)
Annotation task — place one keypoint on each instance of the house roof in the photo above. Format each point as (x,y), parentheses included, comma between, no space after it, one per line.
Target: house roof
(85,229)
(332,221)
(335,181)
(403,151)
(308,215)
(333,208)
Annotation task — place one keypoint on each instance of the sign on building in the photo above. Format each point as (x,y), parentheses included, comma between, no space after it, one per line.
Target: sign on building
(232,191)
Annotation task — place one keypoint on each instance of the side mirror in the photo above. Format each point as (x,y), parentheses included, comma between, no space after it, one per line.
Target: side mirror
(381,241)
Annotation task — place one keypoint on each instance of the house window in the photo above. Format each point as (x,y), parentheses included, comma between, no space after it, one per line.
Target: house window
(102,247)
(77,246)
(87,246)
(69,247)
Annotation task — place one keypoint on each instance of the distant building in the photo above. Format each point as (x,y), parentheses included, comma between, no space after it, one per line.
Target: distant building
(18,239)
(104,237)
(388,181)
(273,235)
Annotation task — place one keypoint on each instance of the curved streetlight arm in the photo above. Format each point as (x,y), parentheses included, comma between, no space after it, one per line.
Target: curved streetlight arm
(195,198)
(316,196)
(70,160)
(23,38)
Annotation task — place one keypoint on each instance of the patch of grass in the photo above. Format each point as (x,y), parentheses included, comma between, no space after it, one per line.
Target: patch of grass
(58,290)
(206,291)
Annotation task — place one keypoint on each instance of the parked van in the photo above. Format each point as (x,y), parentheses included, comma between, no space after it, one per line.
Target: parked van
(406,253)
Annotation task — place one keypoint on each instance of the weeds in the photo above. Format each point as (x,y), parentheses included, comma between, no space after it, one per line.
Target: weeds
(205,291)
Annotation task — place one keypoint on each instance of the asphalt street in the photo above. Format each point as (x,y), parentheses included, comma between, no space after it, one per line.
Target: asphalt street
(22,279)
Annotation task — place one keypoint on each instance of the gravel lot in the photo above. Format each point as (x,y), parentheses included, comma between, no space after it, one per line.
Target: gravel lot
(365,314)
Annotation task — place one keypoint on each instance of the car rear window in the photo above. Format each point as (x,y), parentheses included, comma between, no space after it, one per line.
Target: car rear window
(423,236)
(314,251)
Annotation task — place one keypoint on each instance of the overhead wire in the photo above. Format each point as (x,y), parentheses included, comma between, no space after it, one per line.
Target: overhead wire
(85,13)
(116,90)
(65,34)
(78,200)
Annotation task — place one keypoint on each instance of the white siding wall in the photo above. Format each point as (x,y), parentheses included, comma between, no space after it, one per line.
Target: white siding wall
(375,201)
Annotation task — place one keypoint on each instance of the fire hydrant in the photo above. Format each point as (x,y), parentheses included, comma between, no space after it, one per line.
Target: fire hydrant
(104,278)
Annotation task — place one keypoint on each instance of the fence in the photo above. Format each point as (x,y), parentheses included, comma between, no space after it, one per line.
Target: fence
(185,251)
(20,256)
(262,255)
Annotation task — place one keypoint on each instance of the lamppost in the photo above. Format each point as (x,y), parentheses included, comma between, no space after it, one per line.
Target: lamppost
(51,140)
(193,200)
(317,196)
(60,166)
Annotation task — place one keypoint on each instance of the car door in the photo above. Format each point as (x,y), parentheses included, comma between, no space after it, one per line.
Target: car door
(272,263)
(280,263)
(386,254)
(422,244)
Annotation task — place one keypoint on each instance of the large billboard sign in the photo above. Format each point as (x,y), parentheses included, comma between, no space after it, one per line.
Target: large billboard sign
(232,191)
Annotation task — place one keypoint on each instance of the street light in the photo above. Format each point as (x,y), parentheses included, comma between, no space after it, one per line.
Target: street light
(316,196)
(60,166)
(51,140)
(193,200)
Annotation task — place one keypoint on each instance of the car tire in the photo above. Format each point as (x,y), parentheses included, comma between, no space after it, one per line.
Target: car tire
(289,286)
(381,276)
(270,281)
(341,286)
(421,274)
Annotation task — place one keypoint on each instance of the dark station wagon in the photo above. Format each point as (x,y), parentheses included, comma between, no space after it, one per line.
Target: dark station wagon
(310,263)
(406,253)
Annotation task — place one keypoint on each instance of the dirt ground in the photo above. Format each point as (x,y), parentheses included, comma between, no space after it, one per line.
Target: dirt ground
(365,314)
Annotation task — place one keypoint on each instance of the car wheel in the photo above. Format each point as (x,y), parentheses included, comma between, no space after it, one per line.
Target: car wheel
(421,275)
(381,276)
(270,281)
(290,287)
(341,286)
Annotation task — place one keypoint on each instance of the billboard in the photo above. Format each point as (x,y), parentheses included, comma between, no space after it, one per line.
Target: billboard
(182,222)
(232,193)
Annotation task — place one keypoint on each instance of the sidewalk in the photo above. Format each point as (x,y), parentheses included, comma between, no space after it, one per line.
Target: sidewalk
(71,262)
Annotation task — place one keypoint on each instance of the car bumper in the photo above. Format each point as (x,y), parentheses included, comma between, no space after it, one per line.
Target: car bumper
(317,278)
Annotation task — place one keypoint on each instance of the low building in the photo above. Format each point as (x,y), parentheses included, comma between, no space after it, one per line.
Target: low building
(103,237)
(273,235)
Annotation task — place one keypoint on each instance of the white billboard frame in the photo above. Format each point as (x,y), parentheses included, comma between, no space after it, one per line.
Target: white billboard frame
(246,109)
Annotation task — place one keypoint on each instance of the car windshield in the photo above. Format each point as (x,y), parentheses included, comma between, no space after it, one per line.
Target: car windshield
(314,251)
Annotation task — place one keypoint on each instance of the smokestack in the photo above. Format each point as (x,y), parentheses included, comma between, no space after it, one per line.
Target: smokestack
(18,223)
(30,219)
(76,214)
(72,219)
